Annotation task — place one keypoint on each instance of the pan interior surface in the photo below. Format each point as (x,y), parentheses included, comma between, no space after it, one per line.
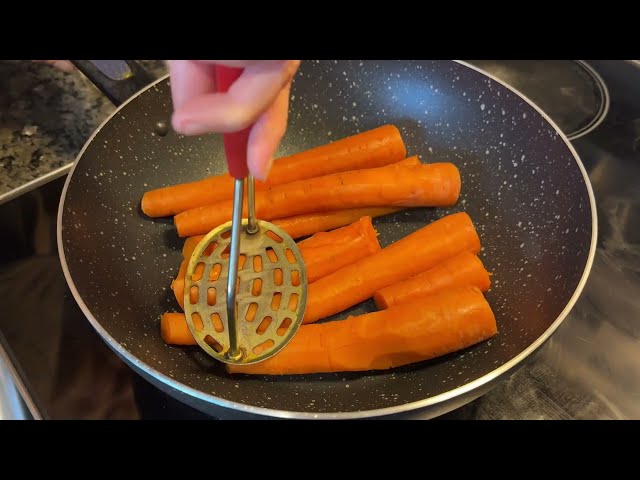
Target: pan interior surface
(521,184)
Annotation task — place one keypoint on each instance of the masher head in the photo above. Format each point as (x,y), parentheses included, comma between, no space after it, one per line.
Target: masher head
(271,293)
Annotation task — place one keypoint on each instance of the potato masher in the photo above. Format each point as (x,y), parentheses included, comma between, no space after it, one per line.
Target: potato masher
(246,284)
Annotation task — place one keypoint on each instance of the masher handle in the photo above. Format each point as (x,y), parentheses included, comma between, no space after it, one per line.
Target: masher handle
(235,144)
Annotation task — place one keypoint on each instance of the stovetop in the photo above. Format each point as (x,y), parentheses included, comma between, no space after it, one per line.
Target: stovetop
(589,369)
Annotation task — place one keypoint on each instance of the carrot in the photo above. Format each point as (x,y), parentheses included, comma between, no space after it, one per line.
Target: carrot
(307,224)
(177,285)
(412,332)
(373,148)
(323,253)
(304,225)
(326,252)
(435,184)
(174,329)
(465,269)
(190,245)
(417,252)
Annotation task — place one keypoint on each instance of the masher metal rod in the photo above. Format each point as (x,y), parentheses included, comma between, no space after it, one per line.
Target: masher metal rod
(232,280)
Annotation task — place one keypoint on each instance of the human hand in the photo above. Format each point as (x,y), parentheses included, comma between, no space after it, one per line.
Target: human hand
(259,97)
(64,65)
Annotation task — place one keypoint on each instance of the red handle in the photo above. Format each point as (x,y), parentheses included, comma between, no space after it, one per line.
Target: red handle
(235,144)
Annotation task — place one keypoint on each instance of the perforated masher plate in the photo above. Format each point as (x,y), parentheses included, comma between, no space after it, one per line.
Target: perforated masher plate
(271,293)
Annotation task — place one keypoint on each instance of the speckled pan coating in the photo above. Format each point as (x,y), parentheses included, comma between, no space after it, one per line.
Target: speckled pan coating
(522,185)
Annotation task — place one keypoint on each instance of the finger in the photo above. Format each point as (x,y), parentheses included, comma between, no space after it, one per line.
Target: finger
(248,98)
(237,63)
(252,93)
(193,78)
(64,65)
(266,135)
(190,80)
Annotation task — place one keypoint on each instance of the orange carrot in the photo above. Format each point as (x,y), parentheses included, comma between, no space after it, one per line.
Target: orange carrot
(190,245)
(417,252)
(323,253)
(412,332)
(435,184)
(177,285)
(326,252)
(308,224)
(433,325)
(174,329)
(302,225)
(465,269)
(373,148)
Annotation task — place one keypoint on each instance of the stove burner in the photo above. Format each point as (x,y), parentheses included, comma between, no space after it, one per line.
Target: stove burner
(569,91)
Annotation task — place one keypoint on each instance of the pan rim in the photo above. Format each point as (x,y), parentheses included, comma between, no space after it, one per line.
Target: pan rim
(440,399)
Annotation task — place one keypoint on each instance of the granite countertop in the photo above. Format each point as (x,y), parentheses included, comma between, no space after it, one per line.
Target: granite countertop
(46,116)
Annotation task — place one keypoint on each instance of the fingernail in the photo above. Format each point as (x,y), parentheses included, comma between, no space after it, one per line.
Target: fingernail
(187,127)
(263,170)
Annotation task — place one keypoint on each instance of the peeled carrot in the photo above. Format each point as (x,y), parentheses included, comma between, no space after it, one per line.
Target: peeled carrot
(177,285)
(323,253)
(465,269)
(174,329)
(326,252)
(307,224)
(417,252)
(424,328)
(373,148)
(190,245)
(430,185)
(412,332)
(303,225)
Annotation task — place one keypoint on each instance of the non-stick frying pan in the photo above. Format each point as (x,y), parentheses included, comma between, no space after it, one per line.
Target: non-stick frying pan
(523,185)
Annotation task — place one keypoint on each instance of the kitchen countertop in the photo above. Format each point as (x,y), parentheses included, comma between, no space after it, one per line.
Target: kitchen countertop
(589,368)
(46,116)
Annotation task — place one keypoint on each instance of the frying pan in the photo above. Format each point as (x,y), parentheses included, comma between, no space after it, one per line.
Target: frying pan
(524,187)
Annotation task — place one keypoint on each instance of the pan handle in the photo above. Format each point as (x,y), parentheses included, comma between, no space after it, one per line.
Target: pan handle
(118,80)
